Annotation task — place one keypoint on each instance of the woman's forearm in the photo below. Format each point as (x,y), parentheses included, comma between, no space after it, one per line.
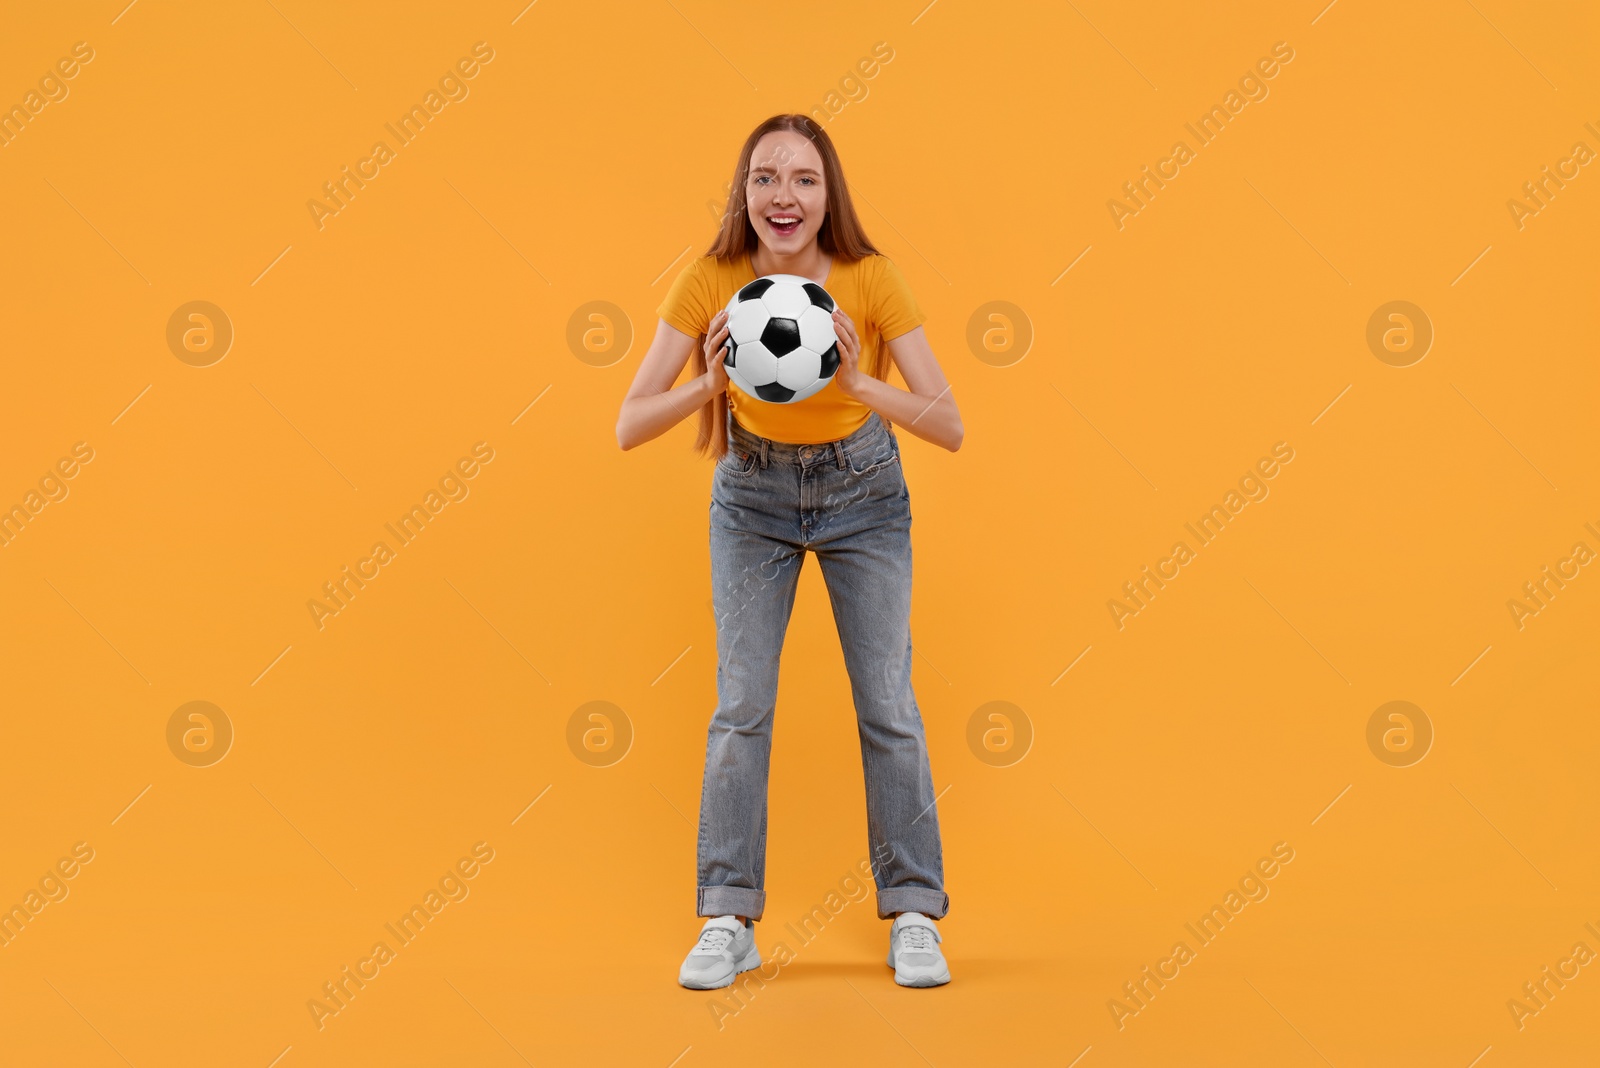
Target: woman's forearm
(935,419)
(646,417)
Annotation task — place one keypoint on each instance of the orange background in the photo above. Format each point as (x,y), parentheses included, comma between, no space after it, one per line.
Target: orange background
(372,353)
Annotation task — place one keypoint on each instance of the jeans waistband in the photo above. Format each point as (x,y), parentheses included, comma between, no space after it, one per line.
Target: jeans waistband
(870,438)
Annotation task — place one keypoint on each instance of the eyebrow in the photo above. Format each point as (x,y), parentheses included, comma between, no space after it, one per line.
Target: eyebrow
(766,169)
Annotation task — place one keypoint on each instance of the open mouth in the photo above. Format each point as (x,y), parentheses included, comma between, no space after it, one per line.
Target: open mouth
(783,225)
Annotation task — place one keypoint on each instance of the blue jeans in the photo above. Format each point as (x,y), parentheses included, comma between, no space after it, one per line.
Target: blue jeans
(847,502)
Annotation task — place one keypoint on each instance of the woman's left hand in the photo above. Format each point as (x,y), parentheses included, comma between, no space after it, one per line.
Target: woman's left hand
(849,372)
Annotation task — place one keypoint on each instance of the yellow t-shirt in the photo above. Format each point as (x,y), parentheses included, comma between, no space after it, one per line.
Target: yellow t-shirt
(872,292)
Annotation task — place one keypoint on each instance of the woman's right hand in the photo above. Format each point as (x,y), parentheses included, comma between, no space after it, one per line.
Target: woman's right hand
(716,349)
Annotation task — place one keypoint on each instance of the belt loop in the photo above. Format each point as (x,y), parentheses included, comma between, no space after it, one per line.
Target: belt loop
(838,454)
(763,454)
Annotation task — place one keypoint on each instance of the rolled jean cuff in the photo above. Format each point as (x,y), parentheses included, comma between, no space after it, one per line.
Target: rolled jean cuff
(731,901)
(931,903)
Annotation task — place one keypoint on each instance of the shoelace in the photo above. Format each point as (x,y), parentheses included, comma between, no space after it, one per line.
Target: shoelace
(916,938)
(714,940)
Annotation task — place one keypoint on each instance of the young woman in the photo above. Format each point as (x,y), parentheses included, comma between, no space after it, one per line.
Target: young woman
(823,475)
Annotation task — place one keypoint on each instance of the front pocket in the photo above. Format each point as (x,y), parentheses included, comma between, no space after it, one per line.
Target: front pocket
(736,463)
(867,463)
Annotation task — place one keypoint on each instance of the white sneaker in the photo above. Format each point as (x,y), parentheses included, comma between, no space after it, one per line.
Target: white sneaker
(914,951)
(726,948)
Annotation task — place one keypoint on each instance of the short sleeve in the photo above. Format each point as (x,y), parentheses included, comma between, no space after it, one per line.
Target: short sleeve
(894,306)
(688,304)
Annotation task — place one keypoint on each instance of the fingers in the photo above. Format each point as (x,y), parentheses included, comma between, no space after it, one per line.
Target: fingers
(717,337)
(844,327)
(715,361)
(845,330)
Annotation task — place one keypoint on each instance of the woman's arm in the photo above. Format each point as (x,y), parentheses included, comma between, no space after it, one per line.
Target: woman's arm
(928,411)
(653,406)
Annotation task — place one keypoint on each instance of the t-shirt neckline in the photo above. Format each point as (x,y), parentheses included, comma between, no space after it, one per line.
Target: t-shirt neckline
(832,262)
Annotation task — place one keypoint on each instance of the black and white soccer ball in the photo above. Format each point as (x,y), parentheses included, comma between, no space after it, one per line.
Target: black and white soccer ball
(781,343)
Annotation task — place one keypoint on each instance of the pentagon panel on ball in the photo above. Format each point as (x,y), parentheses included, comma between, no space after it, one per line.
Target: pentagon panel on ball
(781,343)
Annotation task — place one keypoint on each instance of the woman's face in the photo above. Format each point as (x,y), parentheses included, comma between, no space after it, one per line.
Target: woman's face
(787,198)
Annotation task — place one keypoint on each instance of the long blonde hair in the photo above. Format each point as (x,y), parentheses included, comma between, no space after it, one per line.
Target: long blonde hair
(841,237)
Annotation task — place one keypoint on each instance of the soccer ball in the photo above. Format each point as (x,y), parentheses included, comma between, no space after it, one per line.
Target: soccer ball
(781,344)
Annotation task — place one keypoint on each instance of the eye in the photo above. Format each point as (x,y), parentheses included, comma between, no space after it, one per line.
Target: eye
(809,180)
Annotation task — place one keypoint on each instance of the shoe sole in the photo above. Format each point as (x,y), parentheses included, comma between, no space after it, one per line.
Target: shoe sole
(751,960)
(923,981)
